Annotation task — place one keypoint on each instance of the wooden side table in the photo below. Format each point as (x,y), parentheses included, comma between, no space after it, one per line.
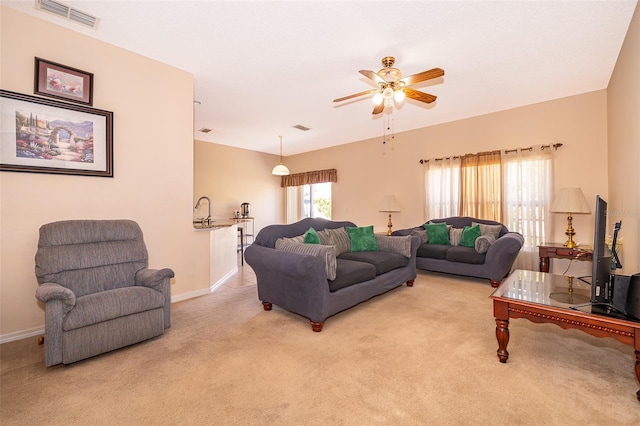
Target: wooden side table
(560,251)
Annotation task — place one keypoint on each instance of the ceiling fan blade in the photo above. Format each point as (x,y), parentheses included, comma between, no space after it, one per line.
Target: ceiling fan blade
(372,76)
(367,92)
(419,96)
(422,76)
(378,108)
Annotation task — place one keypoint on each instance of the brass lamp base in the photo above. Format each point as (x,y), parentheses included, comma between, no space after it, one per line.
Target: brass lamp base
(389,225)
(570,233)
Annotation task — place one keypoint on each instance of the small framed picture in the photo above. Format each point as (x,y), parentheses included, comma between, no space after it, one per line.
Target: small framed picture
(62,82)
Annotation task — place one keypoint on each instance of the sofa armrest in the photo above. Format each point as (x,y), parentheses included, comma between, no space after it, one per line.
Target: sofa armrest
(153,278)
(158,279)
(58,302)
(293,281)
(402,232)
(502,253)
(47,292)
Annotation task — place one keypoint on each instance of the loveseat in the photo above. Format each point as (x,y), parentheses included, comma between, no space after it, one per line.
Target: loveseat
(301,278)
(490,256)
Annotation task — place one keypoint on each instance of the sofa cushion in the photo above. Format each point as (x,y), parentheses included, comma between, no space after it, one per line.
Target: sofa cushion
(395,244)
(438,233)
(433,251)
(469,235)
(362,238)
(299,239)
(464,255)
(326,254)
(422,233)
(454,236)
(483,242)
(339,238)
(489,229)
(383,261)
(311,237)
(350,272)
(106,305)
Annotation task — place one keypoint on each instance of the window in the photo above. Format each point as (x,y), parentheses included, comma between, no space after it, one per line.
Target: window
(309,194)
(512,187)
(313,200)
(317,200)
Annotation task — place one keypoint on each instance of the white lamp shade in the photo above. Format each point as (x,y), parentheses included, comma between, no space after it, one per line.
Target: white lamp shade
(570,200)
(280,170)
(389,204)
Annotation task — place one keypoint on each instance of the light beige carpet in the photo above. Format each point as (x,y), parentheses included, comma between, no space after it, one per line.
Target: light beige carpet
(414,356)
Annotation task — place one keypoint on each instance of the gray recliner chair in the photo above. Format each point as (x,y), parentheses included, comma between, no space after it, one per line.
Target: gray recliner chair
(98,291)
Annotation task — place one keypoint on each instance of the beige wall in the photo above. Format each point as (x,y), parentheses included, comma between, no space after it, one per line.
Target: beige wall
(153,164)
(624,146)
(231,176)
(368,169)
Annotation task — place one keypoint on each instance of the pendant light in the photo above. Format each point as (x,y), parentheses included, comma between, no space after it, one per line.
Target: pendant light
(280,169)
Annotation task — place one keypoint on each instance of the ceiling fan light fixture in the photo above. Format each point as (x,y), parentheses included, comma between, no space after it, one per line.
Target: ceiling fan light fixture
(387,93)
(399,95)
(377,98)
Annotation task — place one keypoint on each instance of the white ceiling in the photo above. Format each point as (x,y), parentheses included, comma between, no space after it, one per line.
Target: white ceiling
(262,67)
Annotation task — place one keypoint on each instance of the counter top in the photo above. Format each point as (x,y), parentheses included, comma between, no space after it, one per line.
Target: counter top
(215,224)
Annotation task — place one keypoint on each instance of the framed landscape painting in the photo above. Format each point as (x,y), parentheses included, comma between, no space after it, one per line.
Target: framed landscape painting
(62,82)
(46,136)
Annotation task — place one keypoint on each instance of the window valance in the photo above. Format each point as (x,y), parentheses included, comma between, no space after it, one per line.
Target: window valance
(309,178)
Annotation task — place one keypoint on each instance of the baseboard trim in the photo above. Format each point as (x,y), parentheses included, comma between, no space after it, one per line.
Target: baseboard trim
(222,280)
(189,295)
(19,335)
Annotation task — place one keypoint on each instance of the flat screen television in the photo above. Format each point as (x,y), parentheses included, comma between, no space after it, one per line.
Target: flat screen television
(601,270)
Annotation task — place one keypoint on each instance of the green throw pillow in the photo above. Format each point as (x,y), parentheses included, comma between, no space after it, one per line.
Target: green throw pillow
(362,238)
(311,237)
(438,233)
(469,235)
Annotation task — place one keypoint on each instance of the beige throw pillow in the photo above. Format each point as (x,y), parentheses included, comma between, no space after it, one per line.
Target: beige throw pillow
(395,244)
(326,254)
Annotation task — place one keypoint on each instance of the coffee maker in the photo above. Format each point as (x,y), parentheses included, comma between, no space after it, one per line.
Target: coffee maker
(245,210)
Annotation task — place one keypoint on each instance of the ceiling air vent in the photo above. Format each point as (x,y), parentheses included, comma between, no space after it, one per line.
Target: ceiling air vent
(301,127)
(67,12)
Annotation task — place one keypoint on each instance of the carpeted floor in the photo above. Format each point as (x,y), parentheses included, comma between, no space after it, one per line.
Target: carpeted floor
(414,356)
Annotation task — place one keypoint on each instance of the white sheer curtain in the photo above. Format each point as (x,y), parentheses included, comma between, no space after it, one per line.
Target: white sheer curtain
(526,199)
(294,203)
(442,187)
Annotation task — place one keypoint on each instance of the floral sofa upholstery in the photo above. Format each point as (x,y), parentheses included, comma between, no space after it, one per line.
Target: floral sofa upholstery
(490,256)
(320,280)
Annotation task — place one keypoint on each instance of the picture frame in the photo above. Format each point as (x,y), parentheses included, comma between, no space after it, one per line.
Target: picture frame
(62,82)
(47,136)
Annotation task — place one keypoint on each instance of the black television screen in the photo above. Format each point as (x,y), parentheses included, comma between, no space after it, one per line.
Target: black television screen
(601,270)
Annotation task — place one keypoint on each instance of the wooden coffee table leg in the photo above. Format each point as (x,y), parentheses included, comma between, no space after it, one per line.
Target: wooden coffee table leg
(502,334)
(638,368)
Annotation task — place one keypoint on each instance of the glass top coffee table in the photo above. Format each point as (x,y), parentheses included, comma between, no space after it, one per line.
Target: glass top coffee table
(546,298)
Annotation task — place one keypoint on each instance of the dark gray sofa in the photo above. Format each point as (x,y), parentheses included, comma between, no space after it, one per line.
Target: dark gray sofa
(493,265)
(298,282)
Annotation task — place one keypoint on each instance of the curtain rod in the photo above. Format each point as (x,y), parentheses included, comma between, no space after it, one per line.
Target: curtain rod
(506,151)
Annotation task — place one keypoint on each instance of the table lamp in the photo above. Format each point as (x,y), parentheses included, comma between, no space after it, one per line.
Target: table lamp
(570,201)
(389,205)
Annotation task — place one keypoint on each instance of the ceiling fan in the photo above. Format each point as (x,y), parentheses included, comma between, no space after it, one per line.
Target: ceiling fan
(393,87)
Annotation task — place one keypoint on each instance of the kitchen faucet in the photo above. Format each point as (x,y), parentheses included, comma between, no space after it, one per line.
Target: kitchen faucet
(205,221)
